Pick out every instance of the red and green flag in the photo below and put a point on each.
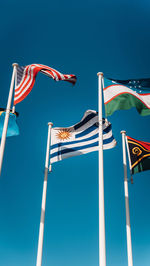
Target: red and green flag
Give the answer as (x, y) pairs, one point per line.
(139, 155)
(125, 94)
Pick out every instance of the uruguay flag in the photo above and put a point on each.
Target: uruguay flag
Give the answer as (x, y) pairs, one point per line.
(80, 138)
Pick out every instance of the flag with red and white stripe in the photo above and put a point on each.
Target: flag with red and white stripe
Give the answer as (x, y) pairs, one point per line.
(26, 79)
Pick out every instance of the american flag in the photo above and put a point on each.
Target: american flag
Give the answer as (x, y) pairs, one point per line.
(26, 78)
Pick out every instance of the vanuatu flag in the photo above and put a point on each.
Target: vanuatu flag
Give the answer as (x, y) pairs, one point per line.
(139, 155)
(12, 129)
(125, 94)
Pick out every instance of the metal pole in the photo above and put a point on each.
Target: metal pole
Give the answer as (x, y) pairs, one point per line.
(41, 231)
(128, 227)
(3, 139)
(102, 248)
(13, 108)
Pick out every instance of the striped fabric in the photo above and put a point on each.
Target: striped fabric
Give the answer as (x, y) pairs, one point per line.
(80, 138)
(26, 79)
(120, 97)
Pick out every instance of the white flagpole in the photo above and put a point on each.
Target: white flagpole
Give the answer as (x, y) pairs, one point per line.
(128, 227)
(41, 231)
(13, 108)
(102, 248)
(3, 139)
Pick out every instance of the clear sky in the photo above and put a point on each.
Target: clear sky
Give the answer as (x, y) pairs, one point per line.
(82, 38)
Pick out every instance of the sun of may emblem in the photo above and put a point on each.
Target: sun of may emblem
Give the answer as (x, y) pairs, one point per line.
(63, 134)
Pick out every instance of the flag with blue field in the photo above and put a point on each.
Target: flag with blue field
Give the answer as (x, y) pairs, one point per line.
(12, 129)
(80, 138)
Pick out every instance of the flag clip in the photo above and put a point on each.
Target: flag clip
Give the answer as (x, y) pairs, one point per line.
(50, 168)
(132, 180)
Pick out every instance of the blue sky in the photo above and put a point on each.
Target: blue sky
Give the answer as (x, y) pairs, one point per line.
(79, 38)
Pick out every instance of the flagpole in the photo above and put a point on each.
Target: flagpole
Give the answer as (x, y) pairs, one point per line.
(102, 248)
(13, 108)
(128, 227)
(41, 230)
(4, 133)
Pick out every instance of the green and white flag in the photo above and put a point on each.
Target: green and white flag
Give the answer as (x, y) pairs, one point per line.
(125, 94)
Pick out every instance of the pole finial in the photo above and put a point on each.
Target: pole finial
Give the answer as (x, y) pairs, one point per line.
(100, 74)
(50, 124)
(15, 64)
(122, 132)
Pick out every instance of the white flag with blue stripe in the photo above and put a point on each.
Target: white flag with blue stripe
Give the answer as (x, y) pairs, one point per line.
(80, 138)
